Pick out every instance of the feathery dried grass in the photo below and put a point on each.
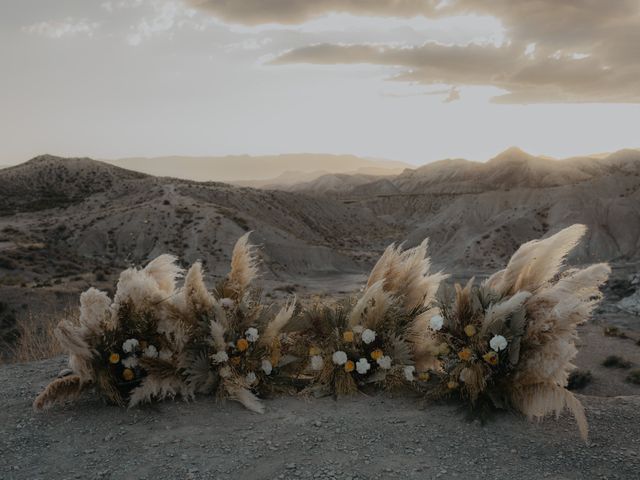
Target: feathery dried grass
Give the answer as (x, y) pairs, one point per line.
(198, 298)
(156, 388)
(240, 393)
(536, 262)
(59, 391)
(244, 266)
(37, 339)
(275, 326)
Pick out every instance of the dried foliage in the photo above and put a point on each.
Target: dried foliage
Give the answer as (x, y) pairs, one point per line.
(512, 340)
(508, 342)
(376, 339)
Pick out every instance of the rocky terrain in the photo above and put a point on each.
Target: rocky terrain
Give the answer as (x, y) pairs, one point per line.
(66, 224)
(357, 438)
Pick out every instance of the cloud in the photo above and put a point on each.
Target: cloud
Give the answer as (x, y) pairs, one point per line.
(166, 17)
(554, 52)
(69, 27)
(291, 12)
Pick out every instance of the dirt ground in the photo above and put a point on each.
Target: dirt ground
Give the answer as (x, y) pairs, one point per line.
(358, 438)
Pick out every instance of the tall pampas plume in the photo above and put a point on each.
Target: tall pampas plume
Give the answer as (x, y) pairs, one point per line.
(536, 262)
(244, 265)
(275, 326)
(406, 274)
(95, 310)
(59, 391)
(371, 307)
(245, 397)
(165, 271)
(196, 294)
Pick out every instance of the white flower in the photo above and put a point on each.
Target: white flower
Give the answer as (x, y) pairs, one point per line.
(220, 357)
(267, 367)
(464, 375)
(384, 362)
(317, 363)
(498, 343)
(408, 372)
(151, 352)
(130, 345)
(165, 354)
(251, 378)
(362, 366)
(251, 334)
(368, 336)
(436, 322)
(130, 362)
(225, 372)
(339, 357)
(358, 329)
(227, 303)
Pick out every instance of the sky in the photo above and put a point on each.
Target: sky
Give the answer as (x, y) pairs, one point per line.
(410, 80)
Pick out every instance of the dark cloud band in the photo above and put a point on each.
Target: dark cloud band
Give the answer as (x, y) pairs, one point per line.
(585, 50)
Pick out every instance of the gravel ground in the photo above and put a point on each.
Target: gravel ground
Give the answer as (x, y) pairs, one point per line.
(358, 438)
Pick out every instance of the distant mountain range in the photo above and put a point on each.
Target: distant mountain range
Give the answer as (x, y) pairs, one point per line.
(81, 212)
(259, 171)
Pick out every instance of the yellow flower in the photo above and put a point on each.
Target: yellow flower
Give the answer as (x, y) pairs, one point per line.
(114, 358)
(348, 336)
(443, 349)
(242, 344)
(313, 351)
(451, 385)
(423, 376)
(349, 366)
(491, 358)
(470, 330)
(465, 354)
(377, 353)
(128, 374)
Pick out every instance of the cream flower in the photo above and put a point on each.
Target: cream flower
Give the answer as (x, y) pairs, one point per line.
(266, 366)
(362, 366)
(130, 345)
(130, 362)
(227, 303)
(368, 336)
(151, 352)
(358, 329)
(464, 375)
(317, 363)
(339, 357)
(408, 372)
(165, 354)
(436, 323)
(384, 362)
(251, 334)
(251, 378)
(498, 343)
(225, 372)
(220, 357)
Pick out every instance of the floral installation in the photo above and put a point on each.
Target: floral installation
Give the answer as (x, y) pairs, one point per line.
(510, 342)
(507, 343)
(127, 345)
(155, 341)
(375, 339)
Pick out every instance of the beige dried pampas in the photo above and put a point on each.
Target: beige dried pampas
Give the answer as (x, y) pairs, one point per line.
(244, 266)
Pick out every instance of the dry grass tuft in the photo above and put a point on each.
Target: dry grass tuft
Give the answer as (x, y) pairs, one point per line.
(37, 340)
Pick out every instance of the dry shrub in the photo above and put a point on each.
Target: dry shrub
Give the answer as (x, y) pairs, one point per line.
(37, 340)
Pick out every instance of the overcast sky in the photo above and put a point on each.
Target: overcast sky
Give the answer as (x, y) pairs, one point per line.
(412, 80)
